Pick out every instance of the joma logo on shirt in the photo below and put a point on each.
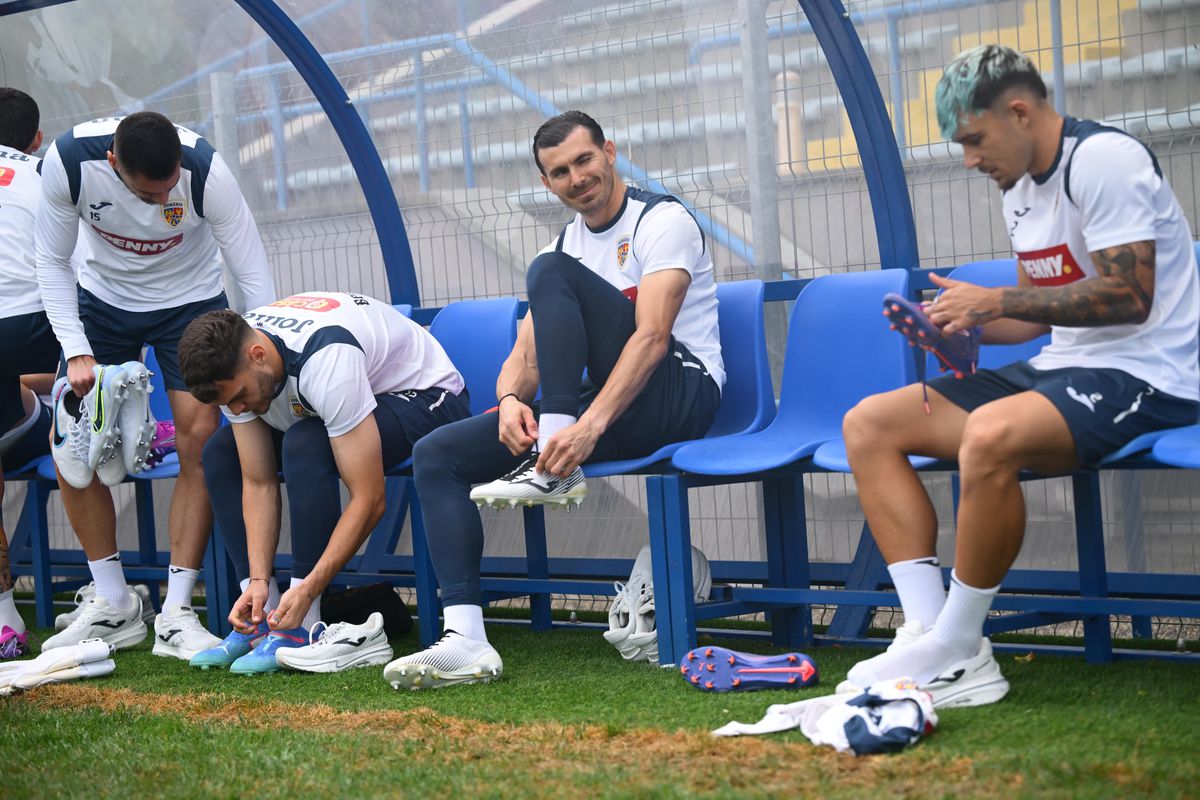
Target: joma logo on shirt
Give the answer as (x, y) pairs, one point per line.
(1053, 266)
(141, 247)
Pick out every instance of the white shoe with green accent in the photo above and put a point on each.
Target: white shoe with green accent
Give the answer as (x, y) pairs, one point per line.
(452, 660)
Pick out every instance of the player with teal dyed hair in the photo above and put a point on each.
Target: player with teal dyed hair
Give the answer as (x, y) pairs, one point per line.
(1105, 266)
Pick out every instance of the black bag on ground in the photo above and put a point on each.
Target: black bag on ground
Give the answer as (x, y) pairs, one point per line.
(355, 604)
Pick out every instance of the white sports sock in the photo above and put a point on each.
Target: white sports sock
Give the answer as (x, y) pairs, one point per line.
(110, 581)
(550, 424)
(960, 625)
(8, 613)
(314, 611)
(919, 584)
(466, 620)
(180, 583)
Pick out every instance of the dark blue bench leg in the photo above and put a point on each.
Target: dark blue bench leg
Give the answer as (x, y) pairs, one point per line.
(867, 572)
(537, 565)
(1093, 577)
(1130, 482)
(428, 606)
(143, 493)
(40, 542)
(671, 556)
(787, 556)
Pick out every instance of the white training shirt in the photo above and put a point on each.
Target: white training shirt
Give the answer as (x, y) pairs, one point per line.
(144, 257)
(1117, 195)
(339, 351)
(20, 189)
(653, 232)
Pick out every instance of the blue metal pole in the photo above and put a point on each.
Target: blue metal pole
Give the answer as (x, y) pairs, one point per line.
(888, 188)
(364, 157)
(897, 83)
(1056, 42)
(422, 127)
(464, 126)
(278, 145)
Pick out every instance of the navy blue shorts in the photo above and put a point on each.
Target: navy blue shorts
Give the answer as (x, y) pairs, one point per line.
(27, 346)
(420, 411)
(1105, 409)
(117, 335)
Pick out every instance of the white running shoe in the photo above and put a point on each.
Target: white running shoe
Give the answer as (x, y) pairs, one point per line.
(103, 404)
(645, 632)
(341, 646)
(72, 436)
(88, 591)
(451, 660)
(179, 634)
(906, 634)
(632, 625)
(622, 620)
(974, 681)
(98, 620)
(526, 487)
(136, 422)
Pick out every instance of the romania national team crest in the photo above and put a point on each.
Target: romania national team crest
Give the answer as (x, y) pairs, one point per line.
(622, 252)
(173, 213)
(298, 409)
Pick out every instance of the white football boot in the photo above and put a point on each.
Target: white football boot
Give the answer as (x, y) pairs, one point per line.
(341, 646)
(71, 438)
(524, 486)
(451, 660)
(103, 404)
(122, 628)
(134, 418)
(179, 634)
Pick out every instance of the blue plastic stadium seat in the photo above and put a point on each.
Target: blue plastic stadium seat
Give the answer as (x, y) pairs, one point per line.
(747, 401)
(478, 335)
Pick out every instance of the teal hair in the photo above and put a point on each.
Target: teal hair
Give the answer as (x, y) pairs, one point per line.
(976, 78)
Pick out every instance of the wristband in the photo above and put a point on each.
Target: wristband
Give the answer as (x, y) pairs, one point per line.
(264, 580)
(507, 394)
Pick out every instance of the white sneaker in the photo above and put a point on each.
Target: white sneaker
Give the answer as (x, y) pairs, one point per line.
(72, 436)
(622, 620)
(341, 646)
(179, 634)
(122, 628)
(103, 406)
(975, 681)
(906, 634)
(136, 422)
(645, 631)
(88, 591)
(451, 660)
(526, 487)
(633, 630)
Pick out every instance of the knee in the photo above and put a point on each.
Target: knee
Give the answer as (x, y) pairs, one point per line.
(988, 443)
(430, 455)
(191, 439)
(547, 272)
(866, 423)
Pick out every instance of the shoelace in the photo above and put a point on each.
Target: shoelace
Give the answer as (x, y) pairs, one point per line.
(325, 637)
(526, 467)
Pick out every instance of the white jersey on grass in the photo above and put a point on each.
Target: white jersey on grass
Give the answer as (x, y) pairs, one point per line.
(653, 232)
(144, 256)
(1116, 195)
(339, 351)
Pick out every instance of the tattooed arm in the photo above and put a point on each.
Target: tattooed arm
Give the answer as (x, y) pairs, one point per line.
(1122, 294)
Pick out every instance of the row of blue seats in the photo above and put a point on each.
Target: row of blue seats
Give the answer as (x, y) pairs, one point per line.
(838, 352)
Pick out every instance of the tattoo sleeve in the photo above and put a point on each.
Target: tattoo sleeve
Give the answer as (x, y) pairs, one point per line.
(6, 581)
(1121, 294)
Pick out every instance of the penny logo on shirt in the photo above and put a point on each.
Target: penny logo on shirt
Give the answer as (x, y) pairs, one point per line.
(307, 302)
(1051, 266)
(622, 252)
(6, 175)
(173, 213)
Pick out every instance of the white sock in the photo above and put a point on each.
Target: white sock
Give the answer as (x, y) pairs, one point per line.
(960, 625)
(467, 620)
(8, 613)
(919, 584)
(180, 583)
(314, 611)
(110, 581)
(272, 592)
(550, 424)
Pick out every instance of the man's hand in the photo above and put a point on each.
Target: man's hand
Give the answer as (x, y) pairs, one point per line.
(568, 448)
(293, 605)
(80, 375)
(962, 305)
(247, 612)
(518, 427)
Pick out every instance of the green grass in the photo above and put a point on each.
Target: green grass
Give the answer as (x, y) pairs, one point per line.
(570, 718)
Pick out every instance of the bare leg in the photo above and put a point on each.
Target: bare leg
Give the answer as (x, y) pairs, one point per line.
(92, 516)
(6, 579)
(1024, 431)
(881, 431)
(190, 518)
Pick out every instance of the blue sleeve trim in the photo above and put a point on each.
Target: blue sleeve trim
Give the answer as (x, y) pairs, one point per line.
(652, 199)
(198, 161)
(294, 362)
(73, 152)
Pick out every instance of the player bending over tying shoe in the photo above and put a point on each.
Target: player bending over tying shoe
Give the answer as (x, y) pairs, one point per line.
(627, 291)
(1105, 263)
(321, 386)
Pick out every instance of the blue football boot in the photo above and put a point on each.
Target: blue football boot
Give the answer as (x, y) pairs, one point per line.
(262, 658)
(230, 650)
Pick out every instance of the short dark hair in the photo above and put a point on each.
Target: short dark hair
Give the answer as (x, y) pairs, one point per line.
(976, 78)
(19, 118)
(147, 145)
(555, 131)
(210, 350)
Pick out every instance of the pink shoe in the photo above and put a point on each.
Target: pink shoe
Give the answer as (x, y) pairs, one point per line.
(12, 644)
(163, 443)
